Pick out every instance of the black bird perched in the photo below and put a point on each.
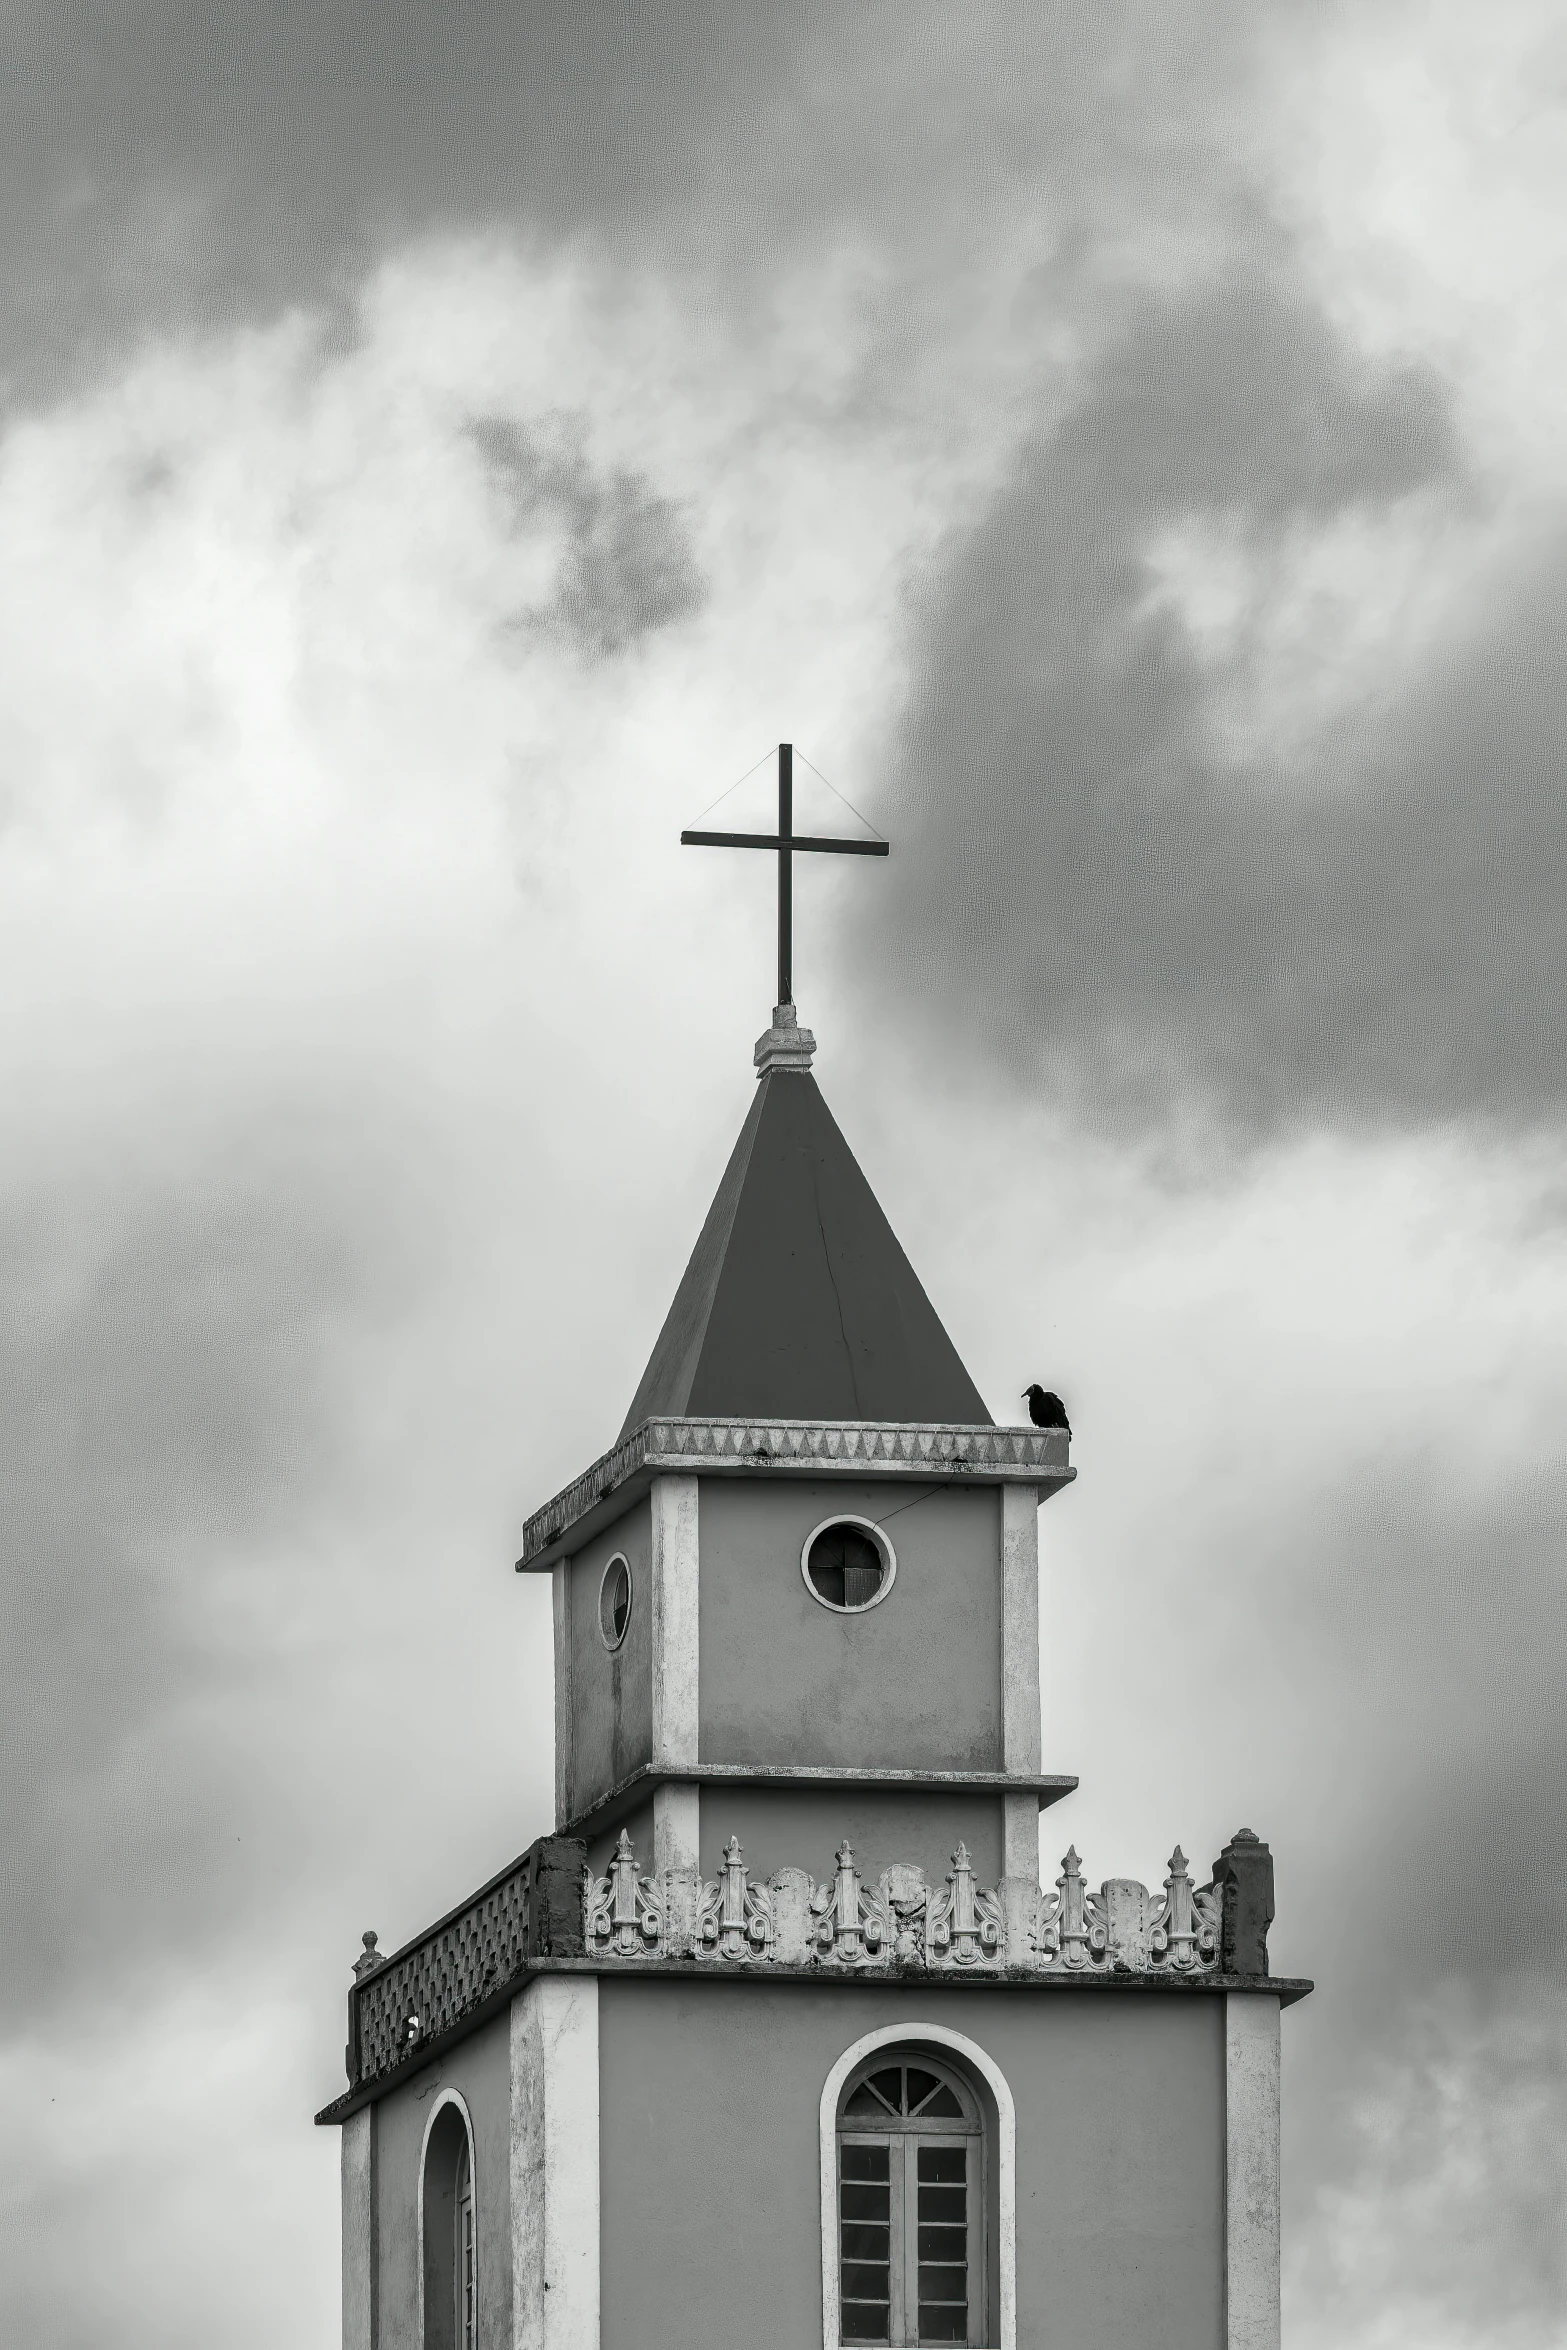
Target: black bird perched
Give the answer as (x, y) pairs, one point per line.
(1045, 1408)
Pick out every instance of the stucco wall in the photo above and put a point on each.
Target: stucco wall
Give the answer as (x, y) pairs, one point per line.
(709, 2148)
(480, 2070)
(915, 1680)
(611, 1694)
(803, 1828)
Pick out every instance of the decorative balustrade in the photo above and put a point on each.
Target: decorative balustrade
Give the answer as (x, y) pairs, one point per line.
(403, 2003)
(902, 1920)
(550, 1908)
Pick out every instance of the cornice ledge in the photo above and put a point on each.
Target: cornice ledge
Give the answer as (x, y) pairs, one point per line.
(716, 1446)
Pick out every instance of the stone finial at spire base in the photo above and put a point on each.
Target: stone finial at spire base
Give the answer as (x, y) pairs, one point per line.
(786, 1045)
(369, 1959)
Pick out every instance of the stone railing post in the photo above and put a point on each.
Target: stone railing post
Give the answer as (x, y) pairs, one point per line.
(1243, 1873)
(555, 1898)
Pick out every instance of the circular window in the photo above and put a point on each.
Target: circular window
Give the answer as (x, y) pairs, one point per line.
(615, 1602)
(848, 1564)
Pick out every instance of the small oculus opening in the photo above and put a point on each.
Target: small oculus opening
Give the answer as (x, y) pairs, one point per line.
(848, 1564)
(615, 1602)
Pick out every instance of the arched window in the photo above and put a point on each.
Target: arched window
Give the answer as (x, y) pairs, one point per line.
(911, 2202)
(448, 2240)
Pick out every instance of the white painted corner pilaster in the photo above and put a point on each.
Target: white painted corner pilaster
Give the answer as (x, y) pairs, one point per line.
(560, 1581)
(555, 2163)
(1251, 2170)
(1020, 1837)
(677, 1827)
(1020, 1733)
(359, 2233)
(675, 1620)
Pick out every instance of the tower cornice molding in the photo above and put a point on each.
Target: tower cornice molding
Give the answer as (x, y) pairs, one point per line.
(1038, 1788)
(771, 1448)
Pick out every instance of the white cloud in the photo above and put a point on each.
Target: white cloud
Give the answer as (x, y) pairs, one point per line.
(374, 1050)
(1417, 151)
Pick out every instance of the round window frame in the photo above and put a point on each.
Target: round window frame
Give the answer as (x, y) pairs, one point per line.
(889, 1559)
(619, 1559)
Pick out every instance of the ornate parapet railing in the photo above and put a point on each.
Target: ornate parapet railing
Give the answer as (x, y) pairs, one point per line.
(902, 1922)
(874, 1448)
(401, 2004)
(549, 1908)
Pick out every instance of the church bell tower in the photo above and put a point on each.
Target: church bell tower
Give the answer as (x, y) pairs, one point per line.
(781, 2034)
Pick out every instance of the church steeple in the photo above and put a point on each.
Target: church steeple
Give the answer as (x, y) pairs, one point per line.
(798, 1303)
(789, 1963)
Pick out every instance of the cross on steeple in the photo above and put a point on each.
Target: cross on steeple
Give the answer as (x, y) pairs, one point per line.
(786, 841)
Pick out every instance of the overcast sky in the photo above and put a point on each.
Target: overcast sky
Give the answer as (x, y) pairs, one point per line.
(441, 449)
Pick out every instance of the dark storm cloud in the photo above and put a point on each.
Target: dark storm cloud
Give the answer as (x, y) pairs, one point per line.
(1442, 1621)
(166, 162)
(1422, 1634)
(163, 163)
(628, 566)
(1104, 897)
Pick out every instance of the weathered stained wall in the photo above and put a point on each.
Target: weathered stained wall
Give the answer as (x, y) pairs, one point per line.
(709, 2152)
(480, 2070)
(915, 1680)
(611, 1693)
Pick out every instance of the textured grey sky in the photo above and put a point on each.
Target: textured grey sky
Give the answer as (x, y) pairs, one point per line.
(441, 449)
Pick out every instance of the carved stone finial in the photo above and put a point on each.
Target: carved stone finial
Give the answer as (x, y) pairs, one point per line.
(369, 1958)
(903, 1923)
(786, 1044)
(964, 1921)
(1072, 1913)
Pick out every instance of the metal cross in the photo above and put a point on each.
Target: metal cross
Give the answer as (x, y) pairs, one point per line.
(786, 841)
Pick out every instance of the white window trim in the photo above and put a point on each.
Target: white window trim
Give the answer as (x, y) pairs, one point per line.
(617, 1559)
(877, 1535)
(934, 2036)
(447, 2097)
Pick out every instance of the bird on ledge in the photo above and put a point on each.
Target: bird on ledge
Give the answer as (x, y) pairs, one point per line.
(1045, 1408)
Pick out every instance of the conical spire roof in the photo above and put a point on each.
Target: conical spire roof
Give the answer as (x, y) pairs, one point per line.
(798, 1303)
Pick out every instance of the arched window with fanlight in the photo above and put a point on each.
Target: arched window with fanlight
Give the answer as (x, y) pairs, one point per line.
(911, 2203)
(448, 2247)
